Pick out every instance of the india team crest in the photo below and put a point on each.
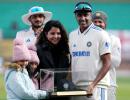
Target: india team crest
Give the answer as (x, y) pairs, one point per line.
(89, 44)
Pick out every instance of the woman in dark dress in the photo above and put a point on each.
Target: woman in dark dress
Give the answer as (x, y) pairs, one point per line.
(53, 50)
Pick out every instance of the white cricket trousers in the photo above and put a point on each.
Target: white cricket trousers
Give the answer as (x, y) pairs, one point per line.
(112, 93)
(99, 94)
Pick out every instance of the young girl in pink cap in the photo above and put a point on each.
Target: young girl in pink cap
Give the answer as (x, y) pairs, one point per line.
(18, 84)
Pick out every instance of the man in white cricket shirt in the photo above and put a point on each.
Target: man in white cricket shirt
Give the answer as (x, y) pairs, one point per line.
(100, 19)
(35, 18)
(90, 51)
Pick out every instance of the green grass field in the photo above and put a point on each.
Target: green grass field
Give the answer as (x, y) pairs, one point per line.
(123, 90)
(2, 88)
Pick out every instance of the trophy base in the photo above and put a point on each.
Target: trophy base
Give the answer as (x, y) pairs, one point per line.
(69, 93)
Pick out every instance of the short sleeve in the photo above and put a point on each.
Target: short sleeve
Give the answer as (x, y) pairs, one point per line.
(105, 45)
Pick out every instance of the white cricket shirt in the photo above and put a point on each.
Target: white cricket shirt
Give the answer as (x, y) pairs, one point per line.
(27, 35)
(115, 58)
(86, 49)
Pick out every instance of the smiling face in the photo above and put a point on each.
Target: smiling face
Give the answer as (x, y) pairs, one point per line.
(54, 35)
(37, 20)
(83, 19)
(100, 23)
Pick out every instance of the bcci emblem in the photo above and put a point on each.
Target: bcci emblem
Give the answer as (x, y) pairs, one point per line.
(89, 44)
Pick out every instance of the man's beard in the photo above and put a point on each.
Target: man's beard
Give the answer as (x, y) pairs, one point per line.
(37, 26)
(86, 22)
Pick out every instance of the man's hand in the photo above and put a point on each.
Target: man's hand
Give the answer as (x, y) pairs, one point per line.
(90, 90)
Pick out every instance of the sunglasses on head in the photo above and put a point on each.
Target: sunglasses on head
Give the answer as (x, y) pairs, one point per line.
(83, 7)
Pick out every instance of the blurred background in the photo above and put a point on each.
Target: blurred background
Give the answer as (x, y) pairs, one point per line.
(118, 12)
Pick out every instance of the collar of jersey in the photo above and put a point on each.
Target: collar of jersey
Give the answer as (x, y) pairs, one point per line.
(85, 32)
(31, 31)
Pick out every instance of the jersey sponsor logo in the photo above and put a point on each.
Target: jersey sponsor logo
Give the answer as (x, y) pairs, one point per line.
(107, 45)
(28, 40)
(89, 44)
(80, 53)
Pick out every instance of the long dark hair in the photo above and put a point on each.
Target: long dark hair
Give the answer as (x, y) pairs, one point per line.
(63, 43)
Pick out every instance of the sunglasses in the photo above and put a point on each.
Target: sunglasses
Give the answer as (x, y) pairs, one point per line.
(83, 7)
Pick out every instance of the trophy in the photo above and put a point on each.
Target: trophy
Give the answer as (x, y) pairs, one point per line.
(58, 82)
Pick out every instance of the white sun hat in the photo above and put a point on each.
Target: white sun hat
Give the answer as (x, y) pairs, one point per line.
(36, 10)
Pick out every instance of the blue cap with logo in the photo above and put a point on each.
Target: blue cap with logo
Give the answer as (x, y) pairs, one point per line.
(83, 6)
